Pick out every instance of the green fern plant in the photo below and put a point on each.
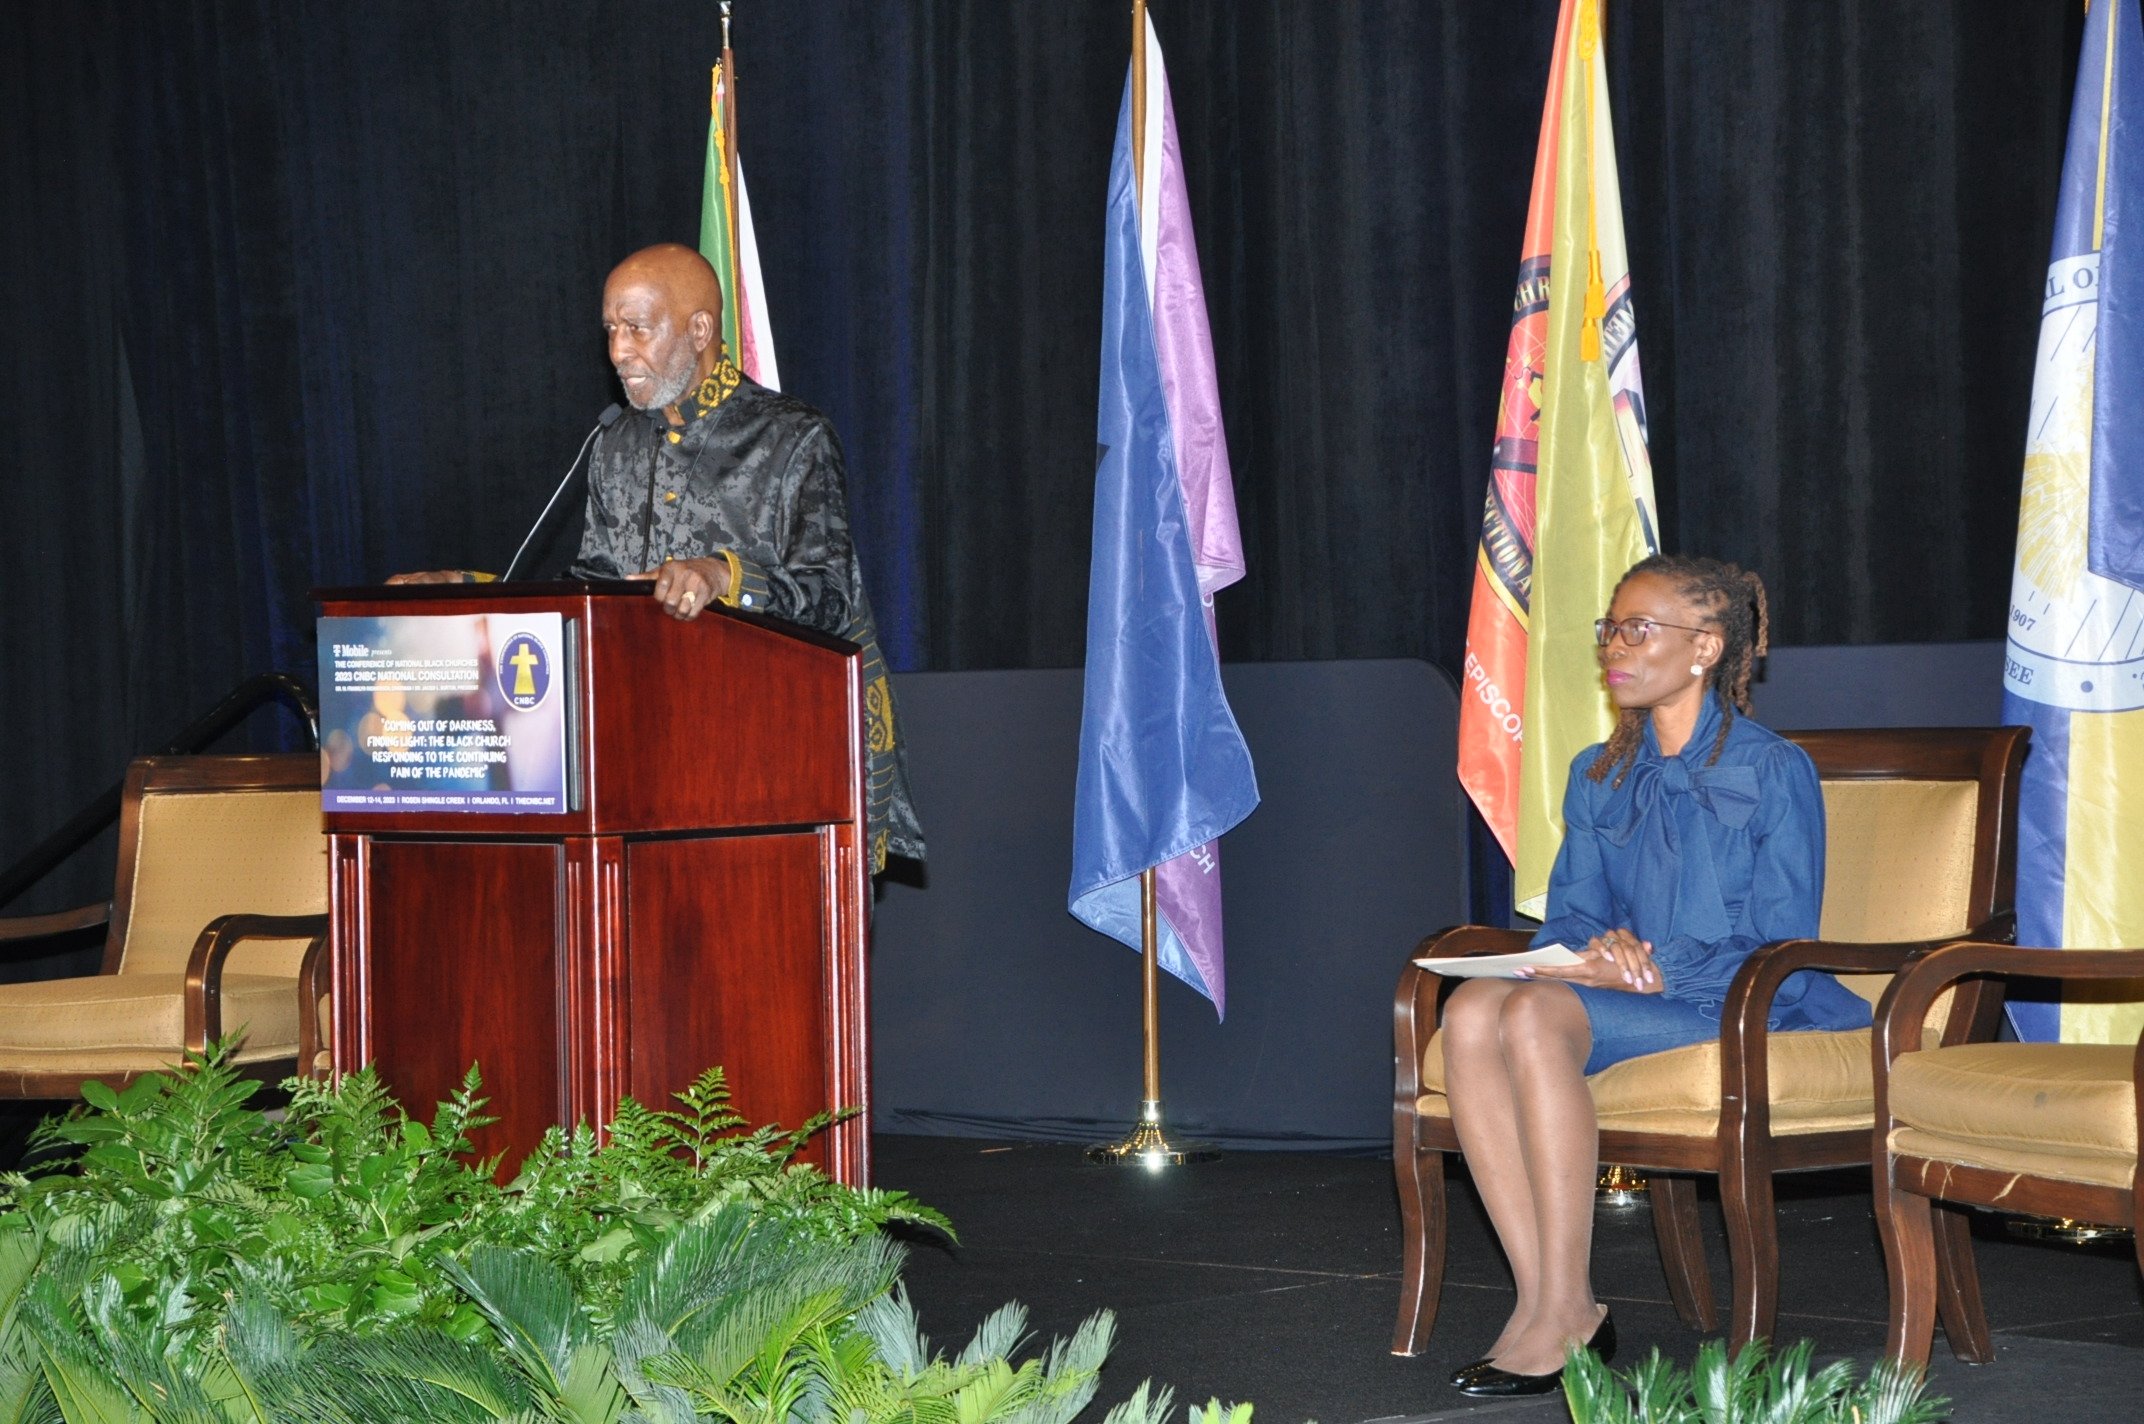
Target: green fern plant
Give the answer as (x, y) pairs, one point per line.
(192, 1260)
(596, 1209)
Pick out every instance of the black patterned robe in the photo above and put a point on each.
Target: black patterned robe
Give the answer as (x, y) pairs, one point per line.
(754, 477)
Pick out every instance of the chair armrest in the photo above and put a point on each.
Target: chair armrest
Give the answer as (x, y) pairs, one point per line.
(1418, 1002)
(315, 982)
(204, 967)
(1745, 1015)
(81, 917)
(1902, 1016)
(1745, 1019)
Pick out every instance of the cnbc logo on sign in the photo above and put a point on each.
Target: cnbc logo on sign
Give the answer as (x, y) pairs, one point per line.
(524, 671)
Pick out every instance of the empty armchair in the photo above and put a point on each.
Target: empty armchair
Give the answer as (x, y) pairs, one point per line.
(2029, 1127)
(221, 892)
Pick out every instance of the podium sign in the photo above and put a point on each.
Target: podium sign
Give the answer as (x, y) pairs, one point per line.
(462, 712)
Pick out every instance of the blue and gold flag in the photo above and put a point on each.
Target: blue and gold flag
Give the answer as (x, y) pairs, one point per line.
(2075, 670)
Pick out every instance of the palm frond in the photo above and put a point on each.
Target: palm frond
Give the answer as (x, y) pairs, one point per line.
(1894, 1394)
(671, 1284)
(257, 1336)
(530, 1303)
(84, 1394)
(1592, 1391)
(591, 1392)
(890, 1323)
(1000, 1334)
(408, 1374)
(635, 1343)
(754, 1340)
(1659, 1391)
(1213, 1411)
(994, 1390)
(1726, 1390)
(1071, 1373)
(25, 1395)
(20, 1251)
(1147, 1405)
(708, 1271)
(1784, 1386)
(1755, 1386)
(845, 1367)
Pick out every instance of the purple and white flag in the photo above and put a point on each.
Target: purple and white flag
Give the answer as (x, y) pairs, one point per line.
(1163, 769)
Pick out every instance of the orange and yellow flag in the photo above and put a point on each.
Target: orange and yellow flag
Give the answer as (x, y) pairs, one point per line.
(1570, 502)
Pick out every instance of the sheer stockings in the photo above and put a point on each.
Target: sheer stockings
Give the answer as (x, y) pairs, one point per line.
(1514, 1060)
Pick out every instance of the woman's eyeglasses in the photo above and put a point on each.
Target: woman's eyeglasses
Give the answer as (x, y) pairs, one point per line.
(1634, 630)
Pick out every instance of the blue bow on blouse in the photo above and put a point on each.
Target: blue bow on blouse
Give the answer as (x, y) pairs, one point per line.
(1663, 799)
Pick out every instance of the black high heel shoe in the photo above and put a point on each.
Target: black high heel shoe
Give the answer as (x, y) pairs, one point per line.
(1486, 1381)
(1468, 1370)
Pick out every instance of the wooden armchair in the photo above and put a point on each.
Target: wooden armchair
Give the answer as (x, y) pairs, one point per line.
(217, 854)
(2033, 1127)
(1920, 850)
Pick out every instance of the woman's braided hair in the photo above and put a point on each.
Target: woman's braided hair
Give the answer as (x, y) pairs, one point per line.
(1729, 598)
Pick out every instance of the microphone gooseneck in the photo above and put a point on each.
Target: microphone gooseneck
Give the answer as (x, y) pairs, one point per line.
(603, 422)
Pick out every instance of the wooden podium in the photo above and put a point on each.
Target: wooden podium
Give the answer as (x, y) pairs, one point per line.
(705, 904)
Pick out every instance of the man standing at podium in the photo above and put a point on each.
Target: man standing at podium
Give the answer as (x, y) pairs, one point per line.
(722, 491)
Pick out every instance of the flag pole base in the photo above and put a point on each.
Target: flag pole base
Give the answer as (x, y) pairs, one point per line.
(1149, 1147)
(1620, 1186)
(2064, 1230)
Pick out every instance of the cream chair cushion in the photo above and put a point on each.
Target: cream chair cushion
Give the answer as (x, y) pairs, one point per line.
(2060, 1110)
(122, 1023)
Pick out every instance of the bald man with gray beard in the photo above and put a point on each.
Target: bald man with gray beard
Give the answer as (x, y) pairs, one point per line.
(722, 491)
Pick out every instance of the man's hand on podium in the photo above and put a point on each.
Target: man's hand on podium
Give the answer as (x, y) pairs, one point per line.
(685, 587)
(441, 576)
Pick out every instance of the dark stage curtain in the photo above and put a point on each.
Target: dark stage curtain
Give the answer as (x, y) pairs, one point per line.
(301, 294)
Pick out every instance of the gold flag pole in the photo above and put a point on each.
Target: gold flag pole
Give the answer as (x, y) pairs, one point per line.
(1147, 1145)
(2064, 1230)
(1618, 1185)
(1138, 100)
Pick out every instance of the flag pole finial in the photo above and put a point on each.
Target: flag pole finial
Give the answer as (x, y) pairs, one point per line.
(724, 6)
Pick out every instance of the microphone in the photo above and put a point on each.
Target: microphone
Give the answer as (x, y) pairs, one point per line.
(603, 422)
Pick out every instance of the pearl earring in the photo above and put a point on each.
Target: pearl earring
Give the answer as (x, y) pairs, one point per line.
(1697, 669)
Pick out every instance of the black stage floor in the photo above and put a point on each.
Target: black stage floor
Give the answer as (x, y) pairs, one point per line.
(1272, 1278)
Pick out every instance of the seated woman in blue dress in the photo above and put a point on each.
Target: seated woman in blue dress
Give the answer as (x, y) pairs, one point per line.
(1691, 836)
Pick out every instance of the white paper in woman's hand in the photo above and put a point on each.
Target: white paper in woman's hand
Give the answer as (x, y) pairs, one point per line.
(1500, 966)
